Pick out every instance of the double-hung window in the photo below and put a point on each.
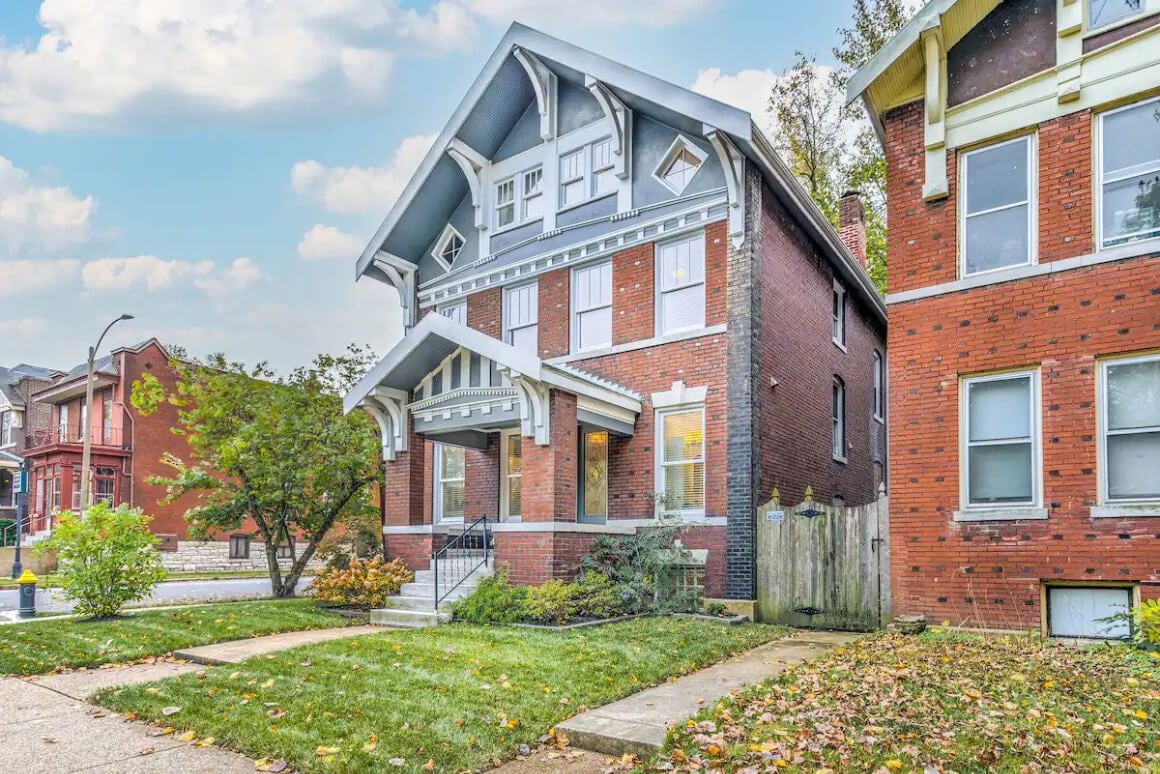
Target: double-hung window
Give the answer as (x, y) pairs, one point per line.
(602, 164)
(681, 284)
(505, 203)
(592, 306)
(62, 428)
(5, 428)
(521, 318)
(838, 315)
(681, 460)
(450, 475)
(587, 173)
(1000, 439)
(838, 414)
(513, 474)
(519, 199)
(1130, 429)
(533, 194)
(1129, 172)
(998, 206)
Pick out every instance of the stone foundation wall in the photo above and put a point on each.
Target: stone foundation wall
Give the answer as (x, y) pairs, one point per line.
(214, 556)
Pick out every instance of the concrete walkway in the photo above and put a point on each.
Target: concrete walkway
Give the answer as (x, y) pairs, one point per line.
(637, 724)
(238, 651)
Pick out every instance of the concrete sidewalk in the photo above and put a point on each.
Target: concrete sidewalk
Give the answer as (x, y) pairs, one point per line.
(237, 651)
(637, 724)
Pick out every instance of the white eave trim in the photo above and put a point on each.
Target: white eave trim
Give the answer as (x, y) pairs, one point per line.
(910, 34)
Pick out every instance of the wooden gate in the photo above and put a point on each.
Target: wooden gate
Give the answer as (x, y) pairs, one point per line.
(824, 566)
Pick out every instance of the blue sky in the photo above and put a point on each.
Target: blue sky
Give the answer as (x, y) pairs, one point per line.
(214, 166)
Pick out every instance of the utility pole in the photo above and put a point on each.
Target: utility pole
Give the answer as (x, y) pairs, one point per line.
(86, 417)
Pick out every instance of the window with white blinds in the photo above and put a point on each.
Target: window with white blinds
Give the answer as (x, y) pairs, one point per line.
(521, 318)
(1130, 438)
(450, 475)
(681, 460)
(681, 284)
(513, 472)
(999, 428)
(592, 307)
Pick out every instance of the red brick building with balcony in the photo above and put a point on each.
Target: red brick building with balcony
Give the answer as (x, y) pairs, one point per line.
(1023, 156)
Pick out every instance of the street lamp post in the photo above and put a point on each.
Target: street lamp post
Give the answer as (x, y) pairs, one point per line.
(87, 434)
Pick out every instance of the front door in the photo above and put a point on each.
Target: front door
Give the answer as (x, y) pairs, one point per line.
(593, 489)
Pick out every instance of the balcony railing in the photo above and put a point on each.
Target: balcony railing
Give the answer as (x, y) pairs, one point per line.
(98, 436)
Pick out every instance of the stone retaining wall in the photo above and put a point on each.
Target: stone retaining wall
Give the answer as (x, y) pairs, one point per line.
(214, 556)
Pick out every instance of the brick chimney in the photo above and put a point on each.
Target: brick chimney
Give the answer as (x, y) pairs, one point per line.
(852, 224)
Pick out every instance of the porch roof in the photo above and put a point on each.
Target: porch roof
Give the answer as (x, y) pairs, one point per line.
(10, 460)
(524, 385)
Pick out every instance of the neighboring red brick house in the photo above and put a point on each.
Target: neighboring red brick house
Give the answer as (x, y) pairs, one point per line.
(127, 448)
(1023, 153)
(613, 287)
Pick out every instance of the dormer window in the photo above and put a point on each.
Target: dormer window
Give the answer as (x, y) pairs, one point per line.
(587, 173)
(519, 199)
(680, 165)
(448, 247)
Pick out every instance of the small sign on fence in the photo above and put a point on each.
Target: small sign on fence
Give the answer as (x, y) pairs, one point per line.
(775, 515)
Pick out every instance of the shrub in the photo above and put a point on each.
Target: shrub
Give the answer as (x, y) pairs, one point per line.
(363, 584)
(106, 558)
(494, 601)
(551, 602)
(631, 562)
(1147, 624)
(717, 609)
(594, 596)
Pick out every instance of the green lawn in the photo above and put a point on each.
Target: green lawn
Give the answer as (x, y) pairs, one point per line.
(939, 702)
(458, 695)
(50, 581)
(35, 648)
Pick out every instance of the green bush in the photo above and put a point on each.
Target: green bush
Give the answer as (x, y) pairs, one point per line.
(1146, 629)
(595, 596)
(494, 601)
(362, 584)
(717, 609)
(106, 558)
(551, 602)
(632, 562)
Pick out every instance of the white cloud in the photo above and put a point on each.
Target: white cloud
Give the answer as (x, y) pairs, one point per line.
(647, 13)
(39, 220)
(359, 190)
(748, 90)
(322, 243)
(22, 327)
(23, 276)
(242, 273)
(155, 273)
(178, 60)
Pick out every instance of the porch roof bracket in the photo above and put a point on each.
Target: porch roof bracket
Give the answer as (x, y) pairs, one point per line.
(934, 114)
(733, 163)
(394, 404)
(534, 400)
(472, 163)
(620, 118)
(379, 414)
(400, 274)
(544, 84)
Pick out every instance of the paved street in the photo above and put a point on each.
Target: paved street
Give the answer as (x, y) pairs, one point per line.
(48, 600)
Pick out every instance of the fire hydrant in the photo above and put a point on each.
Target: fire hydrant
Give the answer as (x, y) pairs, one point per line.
(27, 583)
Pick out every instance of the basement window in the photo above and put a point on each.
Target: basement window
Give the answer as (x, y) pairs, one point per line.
(1084, 611)
(239, 546)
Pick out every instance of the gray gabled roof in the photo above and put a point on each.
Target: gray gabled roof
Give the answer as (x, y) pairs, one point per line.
(10, 379)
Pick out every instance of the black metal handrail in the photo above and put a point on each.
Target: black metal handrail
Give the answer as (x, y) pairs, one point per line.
(462, 555)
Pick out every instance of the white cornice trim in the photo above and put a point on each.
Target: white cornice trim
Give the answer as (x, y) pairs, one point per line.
(632, 346)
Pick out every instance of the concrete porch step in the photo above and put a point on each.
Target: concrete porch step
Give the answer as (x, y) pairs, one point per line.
(410, 619)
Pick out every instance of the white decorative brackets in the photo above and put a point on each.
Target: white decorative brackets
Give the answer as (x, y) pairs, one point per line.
(534, 400)
(733, 163)
(620, 117)
(544, 84)
(389, 409)
(934, 124)
(400, 275)
(472, 163)
(1069, 50)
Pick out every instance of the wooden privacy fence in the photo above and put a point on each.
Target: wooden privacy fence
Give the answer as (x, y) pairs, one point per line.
(824, 566)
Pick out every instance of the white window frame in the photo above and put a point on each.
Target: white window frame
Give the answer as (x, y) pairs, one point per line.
(519, 198)
(577, 311)
(1146, 8)
(505, 476)
(454, 310)
(1099, 172)
(437, 495)
(587, 174)
(1036, 425)
(529, 193)
(1031, 202)
(659, 465)
(838, 317)
(879, 386)
(7, 424)
(661, 292)
(449, 233)
(1103, 432)
(838, 438)
(680, 142)
(506, 312)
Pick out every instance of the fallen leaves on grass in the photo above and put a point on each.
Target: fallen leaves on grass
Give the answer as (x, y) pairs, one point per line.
(936, 702)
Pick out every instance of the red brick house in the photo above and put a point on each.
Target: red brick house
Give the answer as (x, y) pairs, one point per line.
(613, 287)
(1023, 151)
(19, 416)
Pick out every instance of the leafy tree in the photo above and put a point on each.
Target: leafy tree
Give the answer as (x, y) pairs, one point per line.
(106, 558)
(278, 451)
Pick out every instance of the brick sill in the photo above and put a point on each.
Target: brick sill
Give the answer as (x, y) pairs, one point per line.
(1002, 514)
(1125, 511)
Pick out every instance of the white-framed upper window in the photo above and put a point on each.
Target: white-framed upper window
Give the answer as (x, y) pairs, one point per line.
(521, 318)
(450, 477)
(1000, 446)
(519, 199)
(997, 224)
(511, 494)
(6, 423)
(454, 310)
(1104, 13)
(681, 284)
(586, 173)
(838, 414)
(879, 386)
(592, 306)
(1130, 429)
(838, 315)
(680, 460)
(62, 426)
(1128, 164)
(448, 247)
(679, 165)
